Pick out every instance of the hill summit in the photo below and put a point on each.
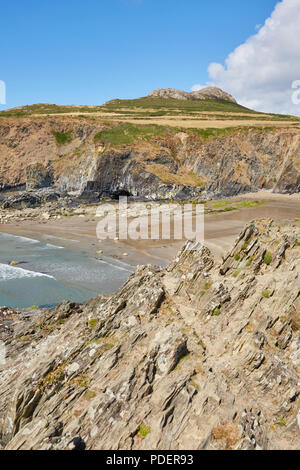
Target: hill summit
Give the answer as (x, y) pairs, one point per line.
(212, 93)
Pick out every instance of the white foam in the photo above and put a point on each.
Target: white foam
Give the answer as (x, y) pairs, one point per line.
(8, 272)
(115, 266)
(31, 241)
(64, 239)
(18, 237)
(57, 247)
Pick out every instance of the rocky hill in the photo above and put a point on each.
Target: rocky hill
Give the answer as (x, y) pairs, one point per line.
(201, 355)
(91, 158)
(211, 93)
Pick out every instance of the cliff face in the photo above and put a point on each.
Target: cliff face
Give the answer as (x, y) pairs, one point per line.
(29, 141)
(64, 153)
(198, 356)
(247, 161)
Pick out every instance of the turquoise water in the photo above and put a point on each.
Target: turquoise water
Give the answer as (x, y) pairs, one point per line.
(48, 274)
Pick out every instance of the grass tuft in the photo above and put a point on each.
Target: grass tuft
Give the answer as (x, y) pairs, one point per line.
(93, 323)
(128, 134)
(144, 430)
(266, 294)
(268, 258)
(216, 312)
(62, 138)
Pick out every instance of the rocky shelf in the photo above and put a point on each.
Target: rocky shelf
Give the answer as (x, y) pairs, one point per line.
(201, 355)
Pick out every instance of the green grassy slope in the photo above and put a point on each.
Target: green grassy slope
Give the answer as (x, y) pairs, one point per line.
(151, 107)
(183, 106)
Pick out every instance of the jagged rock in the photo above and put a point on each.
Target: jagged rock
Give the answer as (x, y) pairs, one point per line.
(152, 367)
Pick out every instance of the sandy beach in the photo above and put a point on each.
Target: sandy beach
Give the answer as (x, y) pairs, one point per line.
(78, 232)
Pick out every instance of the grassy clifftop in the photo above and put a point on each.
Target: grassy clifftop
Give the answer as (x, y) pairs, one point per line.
(171, 112)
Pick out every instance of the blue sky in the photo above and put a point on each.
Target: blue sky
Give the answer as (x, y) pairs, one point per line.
(87, 52)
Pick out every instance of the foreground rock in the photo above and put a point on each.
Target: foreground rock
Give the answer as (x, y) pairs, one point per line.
(198, 356)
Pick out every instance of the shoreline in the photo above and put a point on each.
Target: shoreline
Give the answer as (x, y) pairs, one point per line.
(78, 232)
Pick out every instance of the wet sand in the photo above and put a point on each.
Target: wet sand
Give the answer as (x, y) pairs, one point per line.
(221, 229)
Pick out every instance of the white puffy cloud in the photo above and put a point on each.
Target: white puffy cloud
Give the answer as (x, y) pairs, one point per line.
(260, 72)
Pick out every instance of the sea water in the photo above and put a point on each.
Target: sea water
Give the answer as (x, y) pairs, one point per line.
(47, 274)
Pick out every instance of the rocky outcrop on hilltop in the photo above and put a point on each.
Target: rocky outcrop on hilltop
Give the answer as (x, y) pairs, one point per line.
(202, 355)
(211, 93)
(63, 155)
